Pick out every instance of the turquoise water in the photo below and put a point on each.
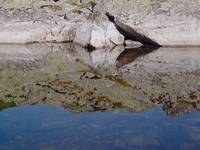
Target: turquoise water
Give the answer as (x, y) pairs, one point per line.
(47, 127)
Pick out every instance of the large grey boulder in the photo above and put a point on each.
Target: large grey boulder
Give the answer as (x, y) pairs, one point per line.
(34, 21)
(158, 22)
(97, 31)
(63, 21)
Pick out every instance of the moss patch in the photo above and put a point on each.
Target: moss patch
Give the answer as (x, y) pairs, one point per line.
(4, 105)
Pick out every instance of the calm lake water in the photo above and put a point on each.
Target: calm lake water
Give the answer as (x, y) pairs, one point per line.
(46, 127)
(60, 96)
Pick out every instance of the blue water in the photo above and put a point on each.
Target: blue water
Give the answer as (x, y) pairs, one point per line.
(54, 128)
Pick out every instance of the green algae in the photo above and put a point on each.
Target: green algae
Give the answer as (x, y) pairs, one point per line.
(4, 105)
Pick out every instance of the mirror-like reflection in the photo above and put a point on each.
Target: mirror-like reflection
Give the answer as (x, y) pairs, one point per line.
(44, 127)
(109, 86)
(69, 76)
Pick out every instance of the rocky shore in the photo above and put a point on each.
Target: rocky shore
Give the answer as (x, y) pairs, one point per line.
(101, 23)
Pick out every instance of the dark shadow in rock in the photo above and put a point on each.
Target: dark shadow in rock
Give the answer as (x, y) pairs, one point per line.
(132, 34)
(89, 48)
(129, 33)
(130, 55)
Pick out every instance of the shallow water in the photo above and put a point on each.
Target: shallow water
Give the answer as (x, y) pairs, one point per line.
(60, 96)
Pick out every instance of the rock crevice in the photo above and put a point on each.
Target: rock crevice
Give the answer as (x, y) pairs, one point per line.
(129, 33)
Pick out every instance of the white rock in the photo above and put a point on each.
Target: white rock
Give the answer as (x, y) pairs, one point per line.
(29, 32)
(164, 30)
(132, 44)
(98, 34)
(162, 22)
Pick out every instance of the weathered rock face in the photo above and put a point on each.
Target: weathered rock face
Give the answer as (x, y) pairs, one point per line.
(155, 22)
(34, 24)
(158, 22)
(29, 32)
(97, 31)
(47, 21)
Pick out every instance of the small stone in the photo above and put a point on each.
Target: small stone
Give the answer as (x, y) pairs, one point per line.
(132, 44)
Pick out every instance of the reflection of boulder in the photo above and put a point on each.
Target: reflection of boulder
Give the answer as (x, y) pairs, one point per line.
(68, 76)
(56, 82)
(26, 56)
(70, 95)
(130, 55)
(180, 108)
(175, 108)
(172, 60)
(97, 59)
(166, 76)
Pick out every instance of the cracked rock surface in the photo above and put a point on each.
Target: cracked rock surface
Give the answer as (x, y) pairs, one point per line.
(155, 22)
(47, 21)
(158, 22)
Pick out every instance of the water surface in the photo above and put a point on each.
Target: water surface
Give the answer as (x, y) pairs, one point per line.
(60, 96)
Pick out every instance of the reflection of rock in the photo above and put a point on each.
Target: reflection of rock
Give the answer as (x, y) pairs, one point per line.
(130, 55)
(74, 97)
(26, 53)
(80, 80)
(98, 59)
(168, 77)
(172, 60)
(56, 82)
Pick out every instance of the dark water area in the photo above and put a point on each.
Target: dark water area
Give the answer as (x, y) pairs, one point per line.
(61, 96)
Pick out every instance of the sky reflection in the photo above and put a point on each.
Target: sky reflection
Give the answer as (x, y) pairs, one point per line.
(47, 127)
